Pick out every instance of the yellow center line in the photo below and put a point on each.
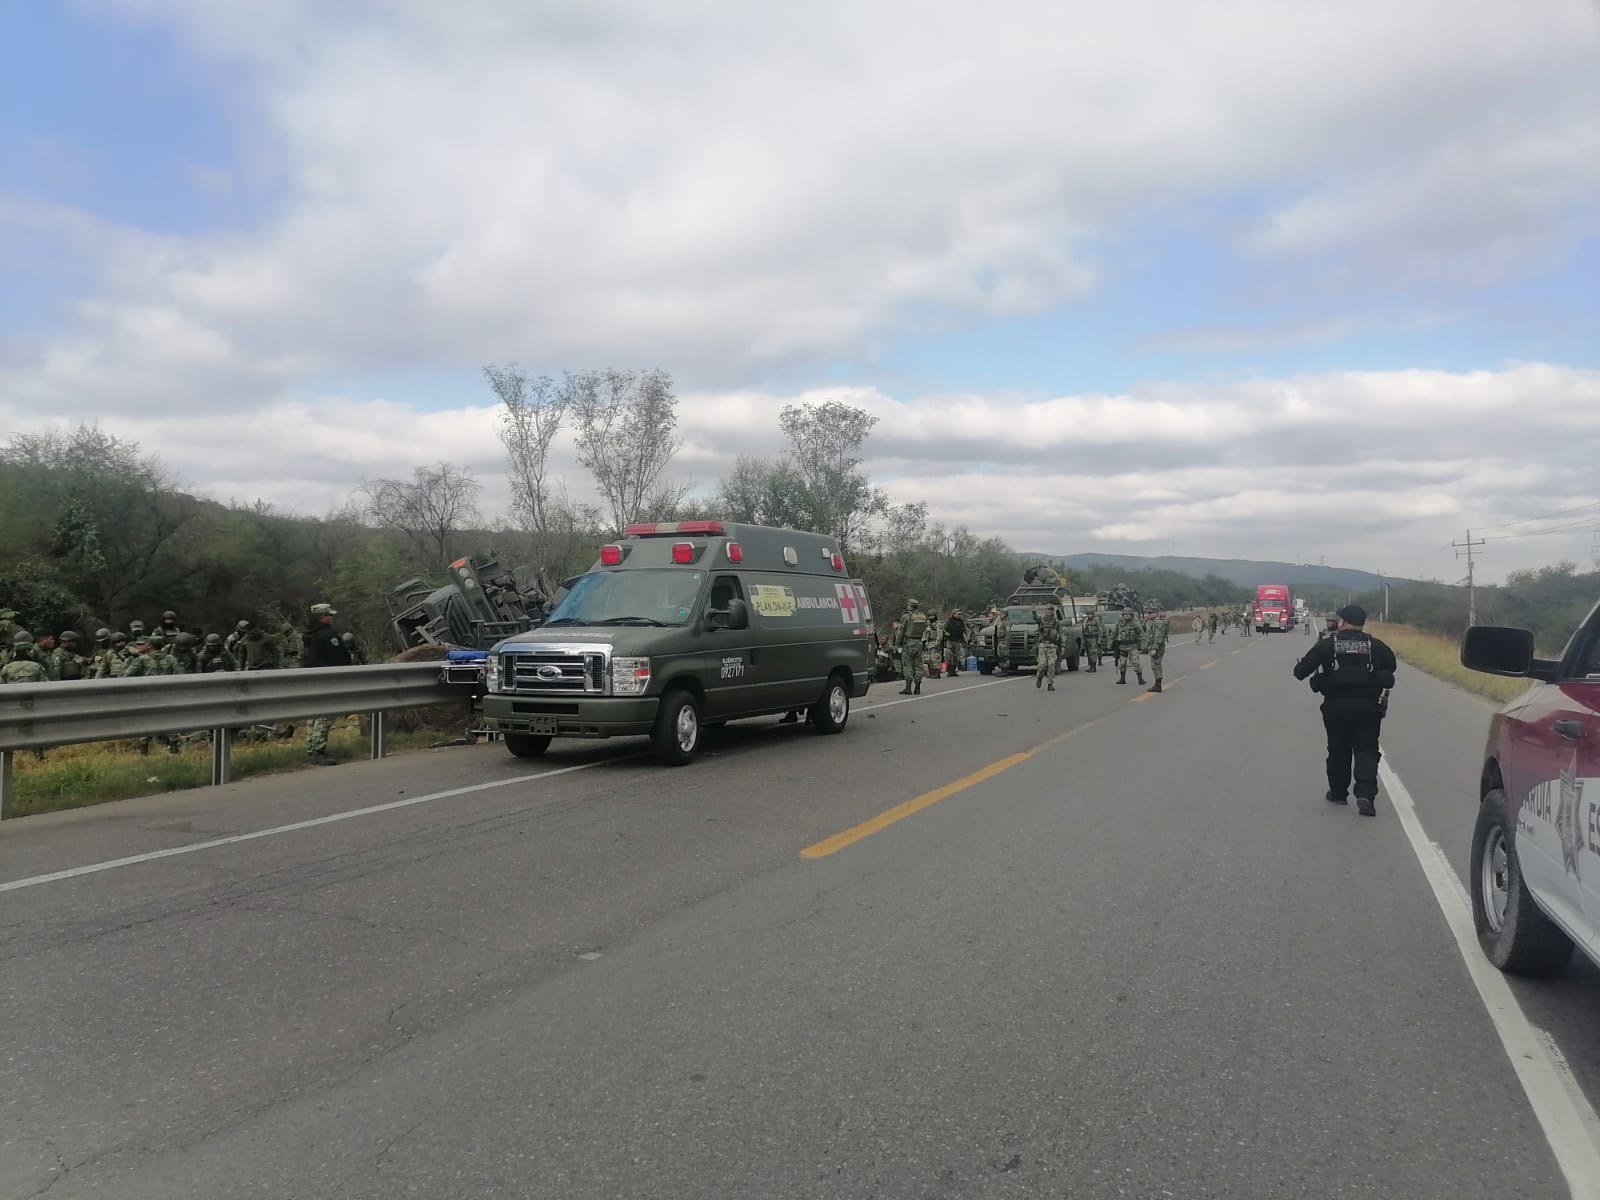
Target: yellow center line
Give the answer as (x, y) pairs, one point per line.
(900, 812)
(1209, 665)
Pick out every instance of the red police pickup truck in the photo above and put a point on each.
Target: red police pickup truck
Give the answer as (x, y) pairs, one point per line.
(1536, 847)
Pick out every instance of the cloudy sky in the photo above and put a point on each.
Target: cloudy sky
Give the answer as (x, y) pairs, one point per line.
(1257, 279)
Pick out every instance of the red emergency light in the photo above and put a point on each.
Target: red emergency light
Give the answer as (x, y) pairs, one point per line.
(667, 528)
(838, 562)
(735, 552)
(684, 552)
(610, 556)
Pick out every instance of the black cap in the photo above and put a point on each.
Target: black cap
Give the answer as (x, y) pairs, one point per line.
(1353, 614)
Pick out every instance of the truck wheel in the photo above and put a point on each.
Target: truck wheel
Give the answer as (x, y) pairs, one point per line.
(832, 713)
(985, 668)
(1512, 929)
(526, 745)
(677, 733)
(1072, 662)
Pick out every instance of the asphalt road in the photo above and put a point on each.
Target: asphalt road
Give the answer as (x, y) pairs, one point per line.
(988, 942)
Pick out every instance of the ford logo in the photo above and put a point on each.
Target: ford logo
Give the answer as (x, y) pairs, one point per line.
(549, 672)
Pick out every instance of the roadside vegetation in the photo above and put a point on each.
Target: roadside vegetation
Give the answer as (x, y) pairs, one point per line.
(1440, 656)
(78, 776)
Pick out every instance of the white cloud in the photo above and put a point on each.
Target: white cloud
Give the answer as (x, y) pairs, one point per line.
(1360, 468)
(731, 190)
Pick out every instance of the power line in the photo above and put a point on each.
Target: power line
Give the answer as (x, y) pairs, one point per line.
(1569, 527)
(1565, 512)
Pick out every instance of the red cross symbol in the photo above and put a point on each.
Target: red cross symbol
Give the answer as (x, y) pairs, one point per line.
(847, 602)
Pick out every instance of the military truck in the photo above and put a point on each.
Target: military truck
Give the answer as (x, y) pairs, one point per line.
(1040, 587)
(481, 604)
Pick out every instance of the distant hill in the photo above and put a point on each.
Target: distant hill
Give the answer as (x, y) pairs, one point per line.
(1244, 572)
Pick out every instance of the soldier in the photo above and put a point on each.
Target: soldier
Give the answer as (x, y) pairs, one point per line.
(353, 647)
(1157, 629)
(910, 637)
(109, 665)
(323, 648)
(1049, 648)
(1211, 626)
(1002, 640)
(135, 632)
(1332, 626)
(24, 666)
(930, 648)
(169, 627)
(955, 641)
(184, 650)
(1126, 639)
(102, 647)
(1093, 635)
(45, 650)
(231, 645)
(1199, 627)
(213, 657)
(256, 651)
(69, 664)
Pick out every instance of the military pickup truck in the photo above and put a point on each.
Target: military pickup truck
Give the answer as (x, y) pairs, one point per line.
(1039, 588)
(481, 604)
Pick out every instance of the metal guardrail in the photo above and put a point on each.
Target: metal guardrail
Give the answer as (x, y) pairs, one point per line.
(42, 715)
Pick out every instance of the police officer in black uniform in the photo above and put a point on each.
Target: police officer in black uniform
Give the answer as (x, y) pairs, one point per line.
(1353, 672)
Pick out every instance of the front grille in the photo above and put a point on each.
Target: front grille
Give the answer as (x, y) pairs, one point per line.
(1019, 640)
(553, 672)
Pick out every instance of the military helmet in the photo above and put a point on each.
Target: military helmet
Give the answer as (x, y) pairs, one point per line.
(102, 635)
(156, 638)
(185, 639)
(22, 638)
(911, 604)
(242, 626)
(169, 615)
(213, 639)
(135, 626)
(119, 636)
(67, 635)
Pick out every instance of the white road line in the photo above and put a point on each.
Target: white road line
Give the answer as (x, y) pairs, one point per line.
(331, 818)
(971, 687)
(1563, 1111)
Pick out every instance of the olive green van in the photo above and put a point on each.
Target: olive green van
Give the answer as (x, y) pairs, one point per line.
(683, 627)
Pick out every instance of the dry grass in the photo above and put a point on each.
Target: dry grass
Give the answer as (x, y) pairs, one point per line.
(1440, 657)
(76, 776)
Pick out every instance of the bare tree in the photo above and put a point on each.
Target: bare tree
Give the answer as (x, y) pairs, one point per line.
(626, 423)
(429, 510)
(533, 411)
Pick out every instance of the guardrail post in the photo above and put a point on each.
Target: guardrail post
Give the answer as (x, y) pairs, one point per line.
(7, 799)
(221, 756)
(377, 726)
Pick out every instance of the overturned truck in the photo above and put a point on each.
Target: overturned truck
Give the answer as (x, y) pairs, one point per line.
(480, 605)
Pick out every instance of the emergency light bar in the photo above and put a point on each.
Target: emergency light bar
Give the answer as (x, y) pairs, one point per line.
(673, 529)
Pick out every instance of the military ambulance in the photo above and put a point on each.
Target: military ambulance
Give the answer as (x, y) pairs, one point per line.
(683, 627)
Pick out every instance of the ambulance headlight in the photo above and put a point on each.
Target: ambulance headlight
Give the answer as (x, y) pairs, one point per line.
(630, 676)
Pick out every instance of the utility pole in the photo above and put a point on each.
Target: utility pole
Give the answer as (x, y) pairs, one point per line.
(1464, 550)
(1384, 584)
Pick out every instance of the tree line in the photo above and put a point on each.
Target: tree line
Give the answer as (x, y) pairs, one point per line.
(99, 531)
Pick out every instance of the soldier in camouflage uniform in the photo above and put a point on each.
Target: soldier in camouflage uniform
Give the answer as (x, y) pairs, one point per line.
(184, 650)
(1049, 650)
(256, 651)
(1094, 633)
(150, 658)
(213, 657)
(1211, 626)
(24, 666)
(1002, 640)
(115, 661)
(1157, 629)
(1126, 640)
(69, 664)
(910, 639)
(102, 647)
(354, 648)
(231, 643)
(931, 644)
